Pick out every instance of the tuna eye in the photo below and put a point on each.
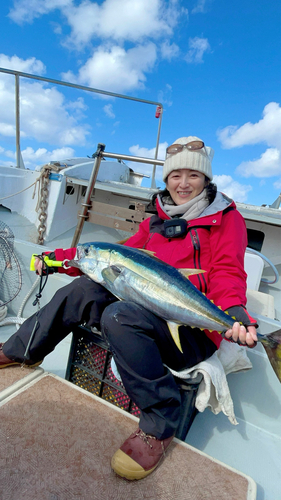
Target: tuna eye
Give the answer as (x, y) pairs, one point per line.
(116, 269)
(86, 250)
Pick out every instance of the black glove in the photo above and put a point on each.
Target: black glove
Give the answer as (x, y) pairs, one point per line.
(242, 316)
(48, 269)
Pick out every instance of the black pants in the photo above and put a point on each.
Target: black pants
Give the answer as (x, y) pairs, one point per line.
(141, 343)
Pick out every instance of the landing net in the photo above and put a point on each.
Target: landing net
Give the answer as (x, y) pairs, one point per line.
(10, 271)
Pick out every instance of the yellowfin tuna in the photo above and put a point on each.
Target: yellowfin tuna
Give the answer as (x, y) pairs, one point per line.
(132, 274)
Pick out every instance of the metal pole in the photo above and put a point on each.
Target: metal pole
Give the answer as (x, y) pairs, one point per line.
(87, 201)
(153, 183)
(138, 159)
(17, 110)
(75, 86)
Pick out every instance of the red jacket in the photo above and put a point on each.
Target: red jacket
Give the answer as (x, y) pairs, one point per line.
(215, 242)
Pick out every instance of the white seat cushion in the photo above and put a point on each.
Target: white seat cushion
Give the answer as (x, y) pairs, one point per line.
(260, 303)
(253, 265)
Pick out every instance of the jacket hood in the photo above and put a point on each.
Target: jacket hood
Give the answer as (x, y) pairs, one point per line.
(220, 203)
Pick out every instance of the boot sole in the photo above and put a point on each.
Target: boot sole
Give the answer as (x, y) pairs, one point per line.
(21, 364)
(120, 462)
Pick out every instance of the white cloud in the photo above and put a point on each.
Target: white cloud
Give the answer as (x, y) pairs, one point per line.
(109, 111)
(233, 189)
(110, 19)
(115, 69)
(169, 50)
(33, 158)
(268, 165)
(268, 131)
(9, 154)
(197, 48)
(147, 168)
(165, 96)
(137, 150)
(57, 28)
(7, 129)
(110, 24)
(200, 7)
(25, 11)
(118, 20)
(45, 113)
(31, 65)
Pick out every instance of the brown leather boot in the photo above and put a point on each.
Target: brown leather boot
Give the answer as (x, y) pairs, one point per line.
(139, 455)
(5, 362)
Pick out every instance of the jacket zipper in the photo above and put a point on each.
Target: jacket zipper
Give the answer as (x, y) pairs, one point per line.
(197, 260)
(148, 240)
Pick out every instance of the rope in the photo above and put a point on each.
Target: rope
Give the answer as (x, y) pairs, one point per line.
(43, 193)
(17, 320)
(38, 180)
(19, 192)
(54, 167)
(28, 295)
(3, 311)
(12, 321)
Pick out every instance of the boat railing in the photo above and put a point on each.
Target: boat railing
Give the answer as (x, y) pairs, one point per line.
(87, 203)
(19, 74)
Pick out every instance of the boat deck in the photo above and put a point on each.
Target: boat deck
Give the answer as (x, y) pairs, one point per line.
(14, 379)
(252, 447)
(57, 442)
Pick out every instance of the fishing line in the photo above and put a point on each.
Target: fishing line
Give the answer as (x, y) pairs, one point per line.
(38, 296)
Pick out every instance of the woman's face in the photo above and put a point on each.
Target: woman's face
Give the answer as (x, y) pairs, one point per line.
(185, 184)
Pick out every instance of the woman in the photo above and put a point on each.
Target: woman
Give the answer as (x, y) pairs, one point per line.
(194, 226)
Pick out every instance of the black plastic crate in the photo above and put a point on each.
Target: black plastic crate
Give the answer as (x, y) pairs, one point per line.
(89, 367)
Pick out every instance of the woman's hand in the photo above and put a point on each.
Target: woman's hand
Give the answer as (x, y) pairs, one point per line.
(39, 265)
(245, 336)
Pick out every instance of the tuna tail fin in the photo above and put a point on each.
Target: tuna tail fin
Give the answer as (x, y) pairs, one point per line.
(174, 331)
(272, 346)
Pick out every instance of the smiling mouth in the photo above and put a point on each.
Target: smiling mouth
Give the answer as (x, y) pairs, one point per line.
(184, 193)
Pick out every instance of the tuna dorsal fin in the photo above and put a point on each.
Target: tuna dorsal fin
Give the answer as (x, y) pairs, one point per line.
(148, 252)
(174, 331)
(189, 272)
(121, 242)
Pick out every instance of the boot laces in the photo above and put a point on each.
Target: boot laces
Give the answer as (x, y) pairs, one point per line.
(145, 437)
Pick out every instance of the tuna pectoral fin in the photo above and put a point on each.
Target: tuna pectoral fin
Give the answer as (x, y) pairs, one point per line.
(110, 273)
(174, 331)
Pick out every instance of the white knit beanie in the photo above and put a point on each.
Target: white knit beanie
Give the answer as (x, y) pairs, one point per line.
(199, 160)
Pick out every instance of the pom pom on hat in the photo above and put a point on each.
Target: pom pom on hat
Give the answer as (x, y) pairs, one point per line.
(199, 160)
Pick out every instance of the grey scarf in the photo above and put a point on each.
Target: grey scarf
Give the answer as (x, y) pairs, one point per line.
(189, 210)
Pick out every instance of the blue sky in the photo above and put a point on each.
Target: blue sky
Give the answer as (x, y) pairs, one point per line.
(215, 66)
